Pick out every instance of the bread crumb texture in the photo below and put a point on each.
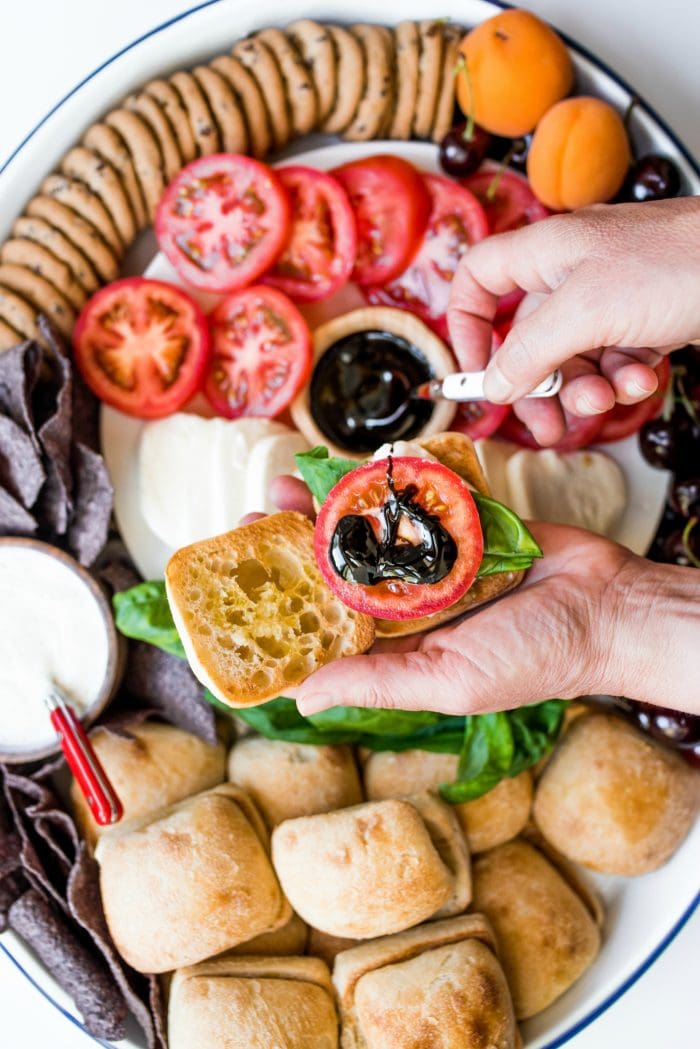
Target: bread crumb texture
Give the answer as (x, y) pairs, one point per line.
(256, 612)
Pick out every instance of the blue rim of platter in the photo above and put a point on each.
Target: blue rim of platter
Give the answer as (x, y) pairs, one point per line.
(615, 996)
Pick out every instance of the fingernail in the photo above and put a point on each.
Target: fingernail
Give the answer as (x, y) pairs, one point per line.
(636, 389)
(586, 407)
(496, 386)
(314, 704)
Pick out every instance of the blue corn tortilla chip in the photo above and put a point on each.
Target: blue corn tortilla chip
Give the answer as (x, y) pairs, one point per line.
(21, 472)
(94, 495)
(14, 519)
(168, 685)
(78, 970)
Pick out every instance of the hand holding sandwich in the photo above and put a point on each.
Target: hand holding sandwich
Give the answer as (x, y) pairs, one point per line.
(591, 617)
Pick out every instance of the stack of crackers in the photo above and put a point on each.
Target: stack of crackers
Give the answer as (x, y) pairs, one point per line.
(361, 82)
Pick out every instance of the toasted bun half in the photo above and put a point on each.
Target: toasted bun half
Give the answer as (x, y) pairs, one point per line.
(253, 611)
(456, 452)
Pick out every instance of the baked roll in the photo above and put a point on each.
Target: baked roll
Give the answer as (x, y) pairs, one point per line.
(291, 938)
(193, 881)
(546, 931)
(253, 1003)
(374, 869)
(440, 984)
(154, 766)
(613, 799)
(286, 780)
(490, 820)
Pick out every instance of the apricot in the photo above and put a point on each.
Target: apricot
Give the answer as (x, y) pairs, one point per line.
(579, 154)
(516, 69)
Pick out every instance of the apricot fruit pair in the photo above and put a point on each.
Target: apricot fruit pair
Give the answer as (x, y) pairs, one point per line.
(514, 69)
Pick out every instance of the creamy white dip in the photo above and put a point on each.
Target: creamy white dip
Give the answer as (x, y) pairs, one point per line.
(51, 630)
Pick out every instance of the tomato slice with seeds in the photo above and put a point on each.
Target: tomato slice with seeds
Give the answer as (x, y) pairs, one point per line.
(142, 346)
(626, 419)
(223, 221)
(391, 208)
(320, 253)
(360, 499)
(456, 221)
(261, 353)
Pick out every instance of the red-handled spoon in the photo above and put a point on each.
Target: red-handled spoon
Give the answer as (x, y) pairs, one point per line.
(99, 793)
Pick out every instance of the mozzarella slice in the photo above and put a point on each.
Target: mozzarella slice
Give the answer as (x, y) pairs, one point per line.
(192, 474)
(585, 488)
(493, 456)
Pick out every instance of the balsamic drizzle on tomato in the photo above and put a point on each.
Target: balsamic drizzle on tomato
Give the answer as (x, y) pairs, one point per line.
(359, 557)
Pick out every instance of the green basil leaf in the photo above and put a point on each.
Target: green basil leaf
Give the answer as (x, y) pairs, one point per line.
(143, 614)
(280, 719)
(509, 546)
(373, 722)
(322, 472)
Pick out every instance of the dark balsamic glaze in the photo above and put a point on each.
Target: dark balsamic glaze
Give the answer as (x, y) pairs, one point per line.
(359, 557)
(360, 391)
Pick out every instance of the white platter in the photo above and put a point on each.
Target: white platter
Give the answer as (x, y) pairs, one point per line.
(643, 914)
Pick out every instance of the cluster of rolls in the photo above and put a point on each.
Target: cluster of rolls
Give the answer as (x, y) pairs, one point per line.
(320, 897)
(360, 82)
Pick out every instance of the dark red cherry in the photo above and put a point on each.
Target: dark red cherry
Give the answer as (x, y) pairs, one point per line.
(463, 149)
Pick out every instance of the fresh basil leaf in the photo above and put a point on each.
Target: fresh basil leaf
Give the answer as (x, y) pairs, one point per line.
(143, 614)
(509, 546)
(322, 472)
(373, 722)
(280, 719)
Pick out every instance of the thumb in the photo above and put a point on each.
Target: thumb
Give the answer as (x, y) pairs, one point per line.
(493, 660)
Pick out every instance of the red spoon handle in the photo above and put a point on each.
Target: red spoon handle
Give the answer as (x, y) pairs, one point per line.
(92, 779)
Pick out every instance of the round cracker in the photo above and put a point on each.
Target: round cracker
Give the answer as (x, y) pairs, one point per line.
(246, 88)
(8, 336)
(388, 38)
(407, 48)
(226, 108)
(40, 294)
(170, 102)
(261, 62)
(79, 232)
(39, 259)
(154, 115)
(105, 141)
(445, 107)
(350, 58)
(19, 315)
(314, 44)
(86, 166)
(38, 231)
(371, 113)
(81, 199)
(299, 87)
(429, 74)
(200, 116)
(145, 154)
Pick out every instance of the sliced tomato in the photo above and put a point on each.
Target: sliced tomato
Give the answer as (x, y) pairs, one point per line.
(626, 419)
(479, 419)
(391, 208)
(456, 221)
(506, 198)
(580, 432)
(509, 203)
(391, 551)
(261, 353)
(223, 221)
(320, 253)
(142, 346)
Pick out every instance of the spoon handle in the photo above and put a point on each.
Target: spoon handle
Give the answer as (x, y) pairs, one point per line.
(92, 779)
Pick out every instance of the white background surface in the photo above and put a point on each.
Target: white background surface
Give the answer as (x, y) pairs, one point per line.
(48, 47)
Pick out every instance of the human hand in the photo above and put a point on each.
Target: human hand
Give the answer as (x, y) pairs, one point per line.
(613, 289)
(591, 617)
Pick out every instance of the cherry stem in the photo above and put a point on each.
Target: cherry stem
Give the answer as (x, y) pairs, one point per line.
(495, 182)
(462, 67)
(687, 531)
